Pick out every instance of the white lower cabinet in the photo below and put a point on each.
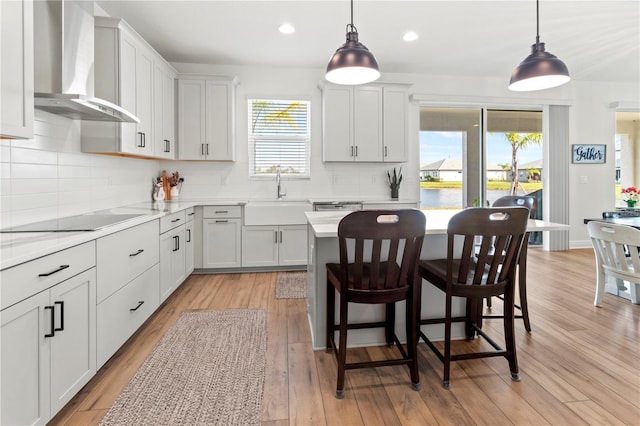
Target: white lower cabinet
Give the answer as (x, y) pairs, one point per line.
(284, 245)
(172, 261)
(48, 350)
(221, 237)
(120, 315)
(189, 238)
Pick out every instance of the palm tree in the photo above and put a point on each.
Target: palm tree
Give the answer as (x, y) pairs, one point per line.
(517, 141)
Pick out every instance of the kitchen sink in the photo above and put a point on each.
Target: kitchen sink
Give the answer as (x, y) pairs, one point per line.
(276, 212)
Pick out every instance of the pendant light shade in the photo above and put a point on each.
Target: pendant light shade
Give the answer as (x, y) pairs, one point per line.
(540, 70)
(352, 63)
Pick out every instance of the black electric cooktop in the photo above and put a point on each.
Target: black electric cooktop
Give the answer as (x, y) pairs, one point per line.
(83, 222)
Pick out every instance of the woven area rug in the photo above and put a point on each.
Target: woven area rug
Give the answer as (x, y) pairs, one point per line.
(291, 285)
(208, 369)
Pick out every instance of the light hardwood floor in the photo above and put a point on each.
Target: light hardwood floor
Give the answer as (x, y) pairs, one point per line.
(579, 365)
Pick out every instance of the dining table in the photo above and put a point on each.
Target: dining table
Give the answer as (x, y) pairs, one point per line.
(322, 239)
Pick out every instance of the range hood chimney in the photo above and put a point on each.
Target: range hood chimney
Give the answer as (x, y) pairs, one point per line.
(64, 63)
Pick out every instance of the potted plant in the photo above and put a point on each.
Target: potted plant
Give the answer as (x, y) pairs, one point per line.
(630, 195)
(394, 182)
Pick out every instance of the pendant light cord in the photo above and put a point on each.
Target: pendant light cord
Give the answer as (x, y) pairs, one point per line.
(352, 13)
(537, 22)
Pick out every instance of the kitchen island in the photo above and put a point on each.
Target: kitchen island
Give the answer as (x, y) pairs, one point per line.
(323, 248)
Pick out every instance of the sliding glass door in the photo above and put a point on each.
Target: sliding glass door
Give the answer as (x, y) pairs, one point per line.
(473, 156)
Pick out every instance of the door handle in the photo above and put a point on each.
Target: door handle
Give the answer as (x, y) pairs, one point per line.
(52, 331)
(140, 303)
(61, 328)
(136, 253)
(62, 267)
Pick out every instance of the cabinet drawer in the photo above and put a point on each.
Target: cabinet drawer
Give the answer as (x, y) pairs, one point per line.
(171, 221)
(119, 316)
(27, 279)
(125, 255)
(189, 213)
(214, 212)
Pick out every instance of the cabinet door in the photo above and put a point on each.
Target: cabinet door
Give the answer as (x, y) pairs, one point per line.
(24, 362)
(260, 245)
(219, 125)
(292, 248)
(172, 261)
(395, 103)
(73, 348)
(163, 111)
(191, 119)
(16, 69)
(144, 101)
(367, 122)
(221, 243)
(128, 136)
(188, 249)
(169, 114)
(337, 119)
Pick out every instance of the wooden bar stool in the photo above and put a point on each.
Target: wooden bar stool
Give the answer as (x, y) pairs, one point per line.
(379, 252)
(483, 246)
(530, 203)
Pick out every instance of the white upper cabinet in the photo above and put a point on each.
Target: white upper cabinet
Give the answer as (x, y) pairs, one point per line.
(164, 143)
(16, 69)
(364, 123)
(206, 120)
(129, 73)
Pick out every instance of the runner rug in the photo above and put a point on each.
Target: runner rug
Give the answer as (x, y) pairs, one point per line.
(291, 285)
(208, 369)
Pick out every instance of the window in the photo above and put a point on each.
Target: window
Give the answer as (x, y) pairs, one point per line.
(279, 135)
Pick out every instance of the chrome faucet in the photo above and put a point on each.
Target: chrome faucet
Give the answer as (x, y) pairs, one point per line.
(280, 193)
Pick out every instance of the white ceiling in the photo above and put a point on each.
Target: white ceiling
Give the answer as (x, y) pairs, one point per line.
(598, 40)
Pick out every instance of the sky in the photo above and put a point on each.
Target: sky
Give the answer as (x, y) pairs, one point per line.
(435, 146)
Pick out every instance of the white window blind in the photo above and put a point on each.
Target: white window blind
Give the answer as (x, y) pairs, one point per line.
(279, 135)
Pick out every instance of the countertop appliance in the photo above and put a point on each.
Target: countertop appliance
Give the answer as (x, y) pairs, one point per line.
(83, 222)
(337, 205)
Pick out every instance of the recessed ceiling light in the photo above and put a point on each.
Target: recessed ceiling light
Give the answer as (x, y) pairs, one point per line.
(286, 29)
(410, 36)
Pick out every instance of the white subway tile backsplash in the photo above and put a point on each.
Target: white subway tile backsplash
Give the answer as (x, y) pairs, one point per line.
(33, 156)
(33, 171)
(34, 186)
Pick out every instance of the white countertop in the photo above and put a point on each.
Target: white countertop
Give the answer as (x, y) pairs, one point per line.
(20, 247)
(325, 224)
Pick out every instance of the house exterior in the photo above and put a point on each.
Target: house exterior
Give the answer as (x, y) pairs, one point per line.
(450, 170)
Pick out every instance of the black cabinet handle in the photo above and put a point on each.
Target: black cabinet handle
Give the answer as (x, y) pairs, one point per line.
(136, 253)
(175, 220)
(222, 221)
(385, 151)
(190, 214)
(61, 328)
(207, 149)
(201, 148)
(280, 237)
(189, 235)
(62, 267)
(144, 140)
(141, 144)
(167, 146)
(222, 211)
(52, 332)
(140, 303)
(176, 243)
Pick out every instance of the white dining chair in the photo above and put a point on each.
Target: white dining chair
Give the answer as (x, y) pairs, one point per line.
(617, 256)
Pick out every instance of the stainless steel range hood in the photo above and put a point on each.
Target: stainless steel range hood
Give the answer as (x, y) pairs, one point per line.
(64, 63)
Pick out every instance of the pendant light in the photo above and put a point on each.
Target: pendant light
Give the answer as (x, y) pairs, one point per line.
(352, 63)
(540, 70)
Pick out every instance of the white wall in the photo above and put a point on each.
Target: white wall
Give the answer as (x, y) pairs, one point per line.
(49, 177)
